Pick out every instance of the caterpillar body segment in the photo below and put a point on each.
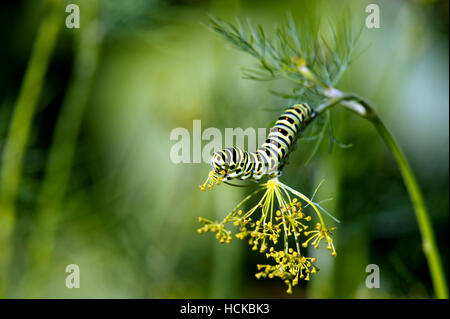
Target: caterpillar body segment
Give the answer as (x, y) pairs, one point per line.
(270, 157)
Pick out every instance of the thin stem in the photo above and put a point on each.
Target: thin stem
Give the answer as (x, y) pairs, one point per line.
(61, 156)
(283, 202)
(361, 107)
(306, 199)
(426, 229)
(235, 209)
(19, 131)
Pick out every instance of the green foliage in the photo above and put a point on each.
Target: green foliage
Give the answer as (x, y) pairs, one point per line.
(314, 62)
(315, 65)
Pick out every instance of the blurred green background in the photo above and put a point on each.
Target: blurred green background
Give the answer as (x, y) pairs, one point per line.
(98, 188)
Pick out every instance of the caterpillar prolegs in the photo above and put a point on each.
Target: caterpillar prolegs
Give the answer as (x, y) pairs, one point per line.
(269, 159)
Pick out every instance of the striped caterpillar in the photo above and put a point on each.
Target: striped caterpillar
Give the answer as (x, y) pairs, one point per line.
(269, 159)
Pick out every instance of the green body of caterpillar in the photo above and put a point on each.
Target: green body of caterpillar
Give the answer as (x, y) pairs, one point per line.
(269, 159)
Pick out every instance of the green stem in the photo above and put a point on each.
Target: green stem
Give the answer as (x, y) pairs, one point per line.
(361, 107)
(428, 238)
(61, 156)
(20, 129)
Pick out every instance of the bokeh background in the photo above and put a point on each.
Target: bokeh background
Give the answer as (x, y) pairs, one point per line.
(120, 209)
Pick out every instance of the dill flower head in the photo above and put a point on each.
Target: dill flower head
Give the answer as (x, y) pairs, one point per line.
(278, 226)
(289, 266)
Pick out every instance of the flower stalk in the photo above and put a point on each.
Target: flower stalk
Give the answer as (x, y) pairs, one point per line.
(362, 108)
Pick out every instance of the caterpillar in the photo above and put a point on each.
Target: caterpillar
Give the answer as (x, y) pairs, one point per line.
(269, 159)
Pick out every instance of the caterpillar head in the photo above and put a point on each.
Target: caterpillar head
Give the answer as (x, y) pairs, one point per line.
(219, 164)
(219, 171)
(222, 166)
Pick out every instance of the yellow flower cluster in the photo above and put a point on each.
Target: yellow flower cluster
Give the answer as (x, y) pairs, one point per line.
(316, 236)
(213, 179)
(277, 220)
(223, 235)
(290, 267)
